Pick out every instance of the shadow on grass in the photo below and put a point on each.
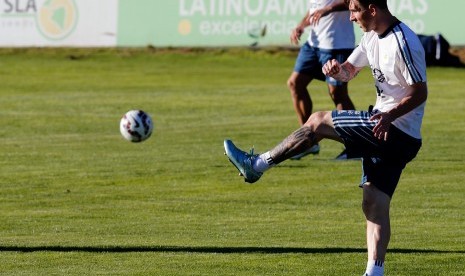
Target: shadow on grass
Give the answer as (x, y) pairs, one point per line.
(215, 250)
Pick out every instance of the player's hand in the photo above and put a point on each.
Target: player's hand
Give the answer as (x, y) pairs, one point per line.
(381, 129)
(331, 68)
(315, 16)
(296, 34)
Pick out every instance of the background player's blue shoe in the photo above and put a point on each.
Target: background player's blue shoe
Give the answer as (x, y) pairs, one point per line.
(242, 161)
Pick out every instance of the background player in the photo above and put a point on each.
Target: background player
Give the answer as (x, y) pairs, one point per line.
(331, 36)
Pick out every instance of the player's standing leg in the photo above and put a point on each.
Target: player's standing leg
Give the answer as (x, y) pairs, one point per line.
(376, 209)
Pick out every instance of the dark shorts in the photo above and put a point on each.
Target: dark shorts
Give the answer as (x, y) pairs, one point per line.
(382, 161)
(310, 61)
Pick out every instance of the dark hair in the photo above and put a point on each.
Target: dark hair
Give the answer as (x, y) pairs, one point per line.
(382, 4)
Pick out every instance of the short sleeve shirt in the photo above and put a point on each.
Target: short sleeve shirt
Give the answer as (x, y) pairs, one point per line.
(397, 60)
(333, 31)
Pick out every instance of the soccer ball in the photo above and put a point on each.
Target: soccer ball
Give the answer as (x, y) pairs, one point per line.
(136, 126)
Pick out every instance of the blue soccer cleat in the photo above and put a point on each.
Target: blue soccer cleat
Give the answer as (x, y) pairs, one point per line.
(242, 161)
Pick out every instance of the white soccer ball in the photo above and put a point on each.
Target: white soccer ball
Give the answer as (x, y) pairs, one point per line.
(136, 126)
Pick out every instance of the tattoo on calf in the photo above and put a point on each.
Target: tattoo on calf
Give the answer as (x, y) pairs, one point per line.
(299, 141)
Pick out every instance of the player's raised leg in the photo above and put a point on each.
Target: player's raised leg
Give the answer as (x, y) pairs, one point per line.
(251, 167)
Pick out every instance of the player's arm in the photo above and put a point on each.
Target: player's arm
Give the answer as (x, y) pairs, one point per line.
(297, 32)
(417, 95)
(315, 16)
(341, 72)
(313, 19)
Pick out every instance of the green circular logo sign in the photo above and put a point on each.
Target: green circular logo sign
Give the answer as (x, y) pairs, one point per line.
(56, 19)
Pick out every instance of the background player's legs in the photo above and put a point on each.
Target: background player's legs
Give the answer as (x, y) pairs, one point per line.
(340, 96)
(301, 99)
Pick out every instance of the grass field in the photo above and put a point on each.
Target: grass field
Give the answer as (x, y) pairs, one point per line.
(77, 199)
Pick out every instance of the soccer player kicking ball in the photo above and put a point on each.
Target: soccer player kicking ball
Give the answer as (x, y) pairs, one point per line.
(386, 137)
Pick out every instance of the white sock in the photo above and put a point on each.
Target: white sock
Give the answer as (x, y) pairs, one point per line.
(263, 162)
(375, 268)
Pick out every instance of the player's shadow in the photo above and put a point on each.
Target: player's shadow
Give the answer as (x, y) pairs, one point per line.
(214, 250)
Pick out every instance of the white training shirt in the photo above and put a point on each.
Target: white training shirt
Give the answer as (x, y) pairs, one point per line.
(397, 60)
(333, 31)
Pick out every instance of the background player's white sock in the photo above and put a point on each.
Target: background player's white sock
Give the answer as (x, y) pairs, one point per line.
(375, 268)
(263, 162)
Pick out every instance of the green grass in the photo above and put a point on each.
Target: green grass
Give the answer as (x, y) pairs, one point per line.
(77, 199)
